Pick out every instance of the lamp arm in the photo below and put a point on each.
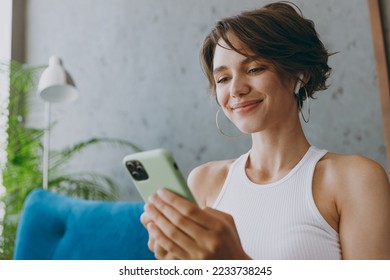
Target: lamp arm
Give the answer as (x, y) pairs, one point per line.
(46, 146)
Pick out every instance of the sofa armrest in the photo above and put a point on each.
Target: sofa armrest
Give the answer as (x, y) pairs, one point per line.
(54, 226)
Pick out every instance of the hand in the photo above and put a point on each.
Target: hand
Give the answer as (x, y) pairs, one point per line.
(178, 229)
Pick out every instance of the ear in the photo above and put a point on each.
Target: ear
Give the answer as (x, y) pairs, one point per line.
(299, 83)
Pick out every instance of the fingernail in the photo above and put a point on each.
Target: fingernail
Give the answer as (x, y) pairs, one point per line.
(152, 198)
(151, 228)
(162, 193)
(148, 207)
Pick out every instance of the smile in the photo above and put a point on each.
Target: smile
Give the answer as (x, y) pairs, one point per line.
(245, 106)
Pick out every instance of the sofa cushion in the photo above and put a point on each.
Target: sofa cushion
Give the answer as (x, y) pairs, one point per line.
(54, 226)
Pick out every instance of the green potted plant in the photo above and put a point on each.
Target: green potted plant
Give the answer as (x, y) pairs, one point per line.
(23, 171)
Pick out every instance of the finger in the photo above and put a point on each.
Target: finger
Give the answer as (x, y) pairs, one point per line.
(162, 254)
(151, 244)
(219, 215)
(145, 218)
(186, 208)
(192, 229)
(169, 237)
(165, 247)
(159, 252)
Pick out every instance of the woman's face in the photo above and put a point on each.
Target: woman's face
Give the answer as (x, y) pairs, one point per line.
(251, 93)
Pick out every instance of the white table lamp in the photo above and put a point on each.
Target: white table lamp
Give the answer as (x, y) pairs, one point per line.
(55, 86)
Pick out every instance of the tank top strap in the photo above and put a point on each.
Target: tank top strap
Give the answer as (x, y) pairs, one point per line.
(312, 157)
(316, 154)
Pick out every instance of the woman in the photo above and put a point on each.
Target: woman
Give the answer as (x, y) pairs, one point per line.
(284, 199)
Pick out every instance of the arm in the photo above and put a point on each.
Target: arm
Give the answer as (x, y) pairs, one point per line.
(364, 207)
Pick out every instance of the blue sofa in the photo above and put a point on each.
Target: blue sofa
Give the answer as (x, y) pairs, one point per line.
(54, 226)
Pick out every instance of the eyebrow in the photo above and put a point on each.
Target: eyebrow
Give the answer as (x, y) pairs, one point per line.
(245, 61)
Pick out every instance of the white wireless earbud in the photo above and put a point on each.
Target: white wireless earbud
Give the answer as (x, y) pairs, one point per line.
(299, 83)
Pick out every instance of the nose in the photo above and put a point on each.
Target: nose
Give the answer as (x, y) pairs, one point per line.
(239, 86)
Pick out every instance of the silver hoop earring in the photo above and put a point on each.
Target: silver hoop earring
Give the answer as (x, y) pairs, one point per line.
(308, 108)
(219, 128)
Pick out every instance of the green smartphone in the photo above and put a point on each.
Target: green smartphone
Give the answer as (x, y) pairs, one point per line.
(156, 169)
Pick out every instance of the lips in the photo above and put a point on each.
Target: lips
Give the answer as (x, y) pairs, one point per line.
(245, 104)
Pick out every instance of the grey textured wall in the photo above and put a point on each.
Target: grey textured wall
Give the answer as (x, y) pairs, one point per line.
(137, 67)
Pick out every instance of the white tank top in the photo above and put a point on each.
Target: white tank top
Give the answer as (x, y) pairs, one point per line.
(279, 220)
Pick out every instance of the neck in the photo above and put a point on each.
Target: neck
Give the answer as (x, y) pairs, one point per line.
(276, 152)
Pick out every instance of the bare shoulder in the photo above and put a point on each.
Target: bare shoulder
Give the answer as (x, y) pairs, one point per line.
(361, 192)
(206, 180)
(351, 176)
(352, 169)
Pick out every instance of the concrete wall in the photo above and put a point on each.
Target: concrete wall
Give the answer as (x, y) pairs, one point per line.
(137, 67)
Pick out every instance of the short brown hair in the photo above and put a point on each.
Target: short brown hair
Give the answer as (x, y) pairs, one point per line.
(278, 33)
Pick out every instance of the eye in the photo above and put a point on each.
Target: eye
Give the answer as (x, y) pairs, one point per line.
(222, 80)
(255, 70)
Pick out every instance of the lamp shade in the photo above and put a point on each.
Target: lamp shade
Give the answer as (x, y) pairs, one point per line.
(55, 84)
